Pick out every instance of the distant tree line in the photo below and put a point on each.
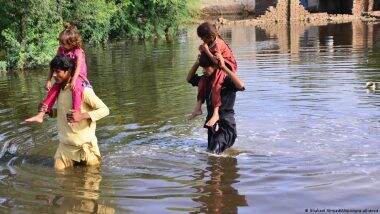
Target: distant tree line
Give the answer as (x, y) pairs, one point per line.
(29, 28)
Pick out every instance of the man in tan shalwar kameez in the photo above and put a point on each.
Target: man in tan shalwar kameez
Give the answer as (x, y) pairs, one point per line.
(76, 130)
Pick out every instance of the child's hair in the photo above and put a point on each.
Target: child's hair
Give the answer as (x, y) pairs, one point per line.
(61, 62)
(207, 30)
(70, 35)
(205, 61)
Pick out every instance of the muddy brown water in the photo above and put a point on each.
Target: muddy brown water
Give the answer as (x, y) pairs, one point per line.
(308, 131)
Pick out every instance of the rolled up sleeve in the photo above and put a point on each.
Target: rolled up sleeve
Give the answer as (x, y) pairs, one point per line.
(100, 109)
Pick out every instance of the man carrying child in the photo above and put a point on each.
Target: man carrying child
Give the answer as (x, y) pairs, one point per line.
(222, 133)
(76, 129)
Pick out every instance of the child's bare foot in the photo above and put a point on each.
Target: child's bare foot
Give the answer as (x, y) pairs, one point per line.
(195, 113)
(39, 118)
(212, 121)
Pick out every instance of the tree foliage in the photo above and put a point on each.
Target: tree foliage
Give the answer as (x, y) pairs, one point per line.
(28, 31)
(29, 28)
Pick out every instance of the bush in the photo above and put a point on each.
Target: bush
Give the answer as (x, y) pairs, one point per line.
(147, 18)
(93, 18)
(30, 39)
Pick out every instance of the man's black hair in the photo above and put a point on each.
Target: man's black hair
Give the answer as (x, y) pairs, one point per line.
(205, 61)
(207, 30)
(61, 62)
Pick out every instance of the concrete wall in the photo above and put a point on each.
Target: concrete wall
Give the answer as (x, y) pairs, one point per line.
(208, 3)
(220, 7)
(261, 7)
(253, 7)
(355, 7)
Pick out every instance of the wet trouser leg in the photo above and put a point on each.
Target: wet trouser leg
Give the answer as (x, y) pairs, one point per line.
(225, 137)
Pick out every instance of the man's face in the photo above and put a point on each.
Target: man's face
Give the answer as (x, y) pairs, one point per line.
(208, 71)
(207, 40)
(61, 76)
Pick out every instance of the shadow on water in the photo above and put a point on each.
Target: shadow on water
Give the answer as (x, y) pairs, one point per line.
(307, 129)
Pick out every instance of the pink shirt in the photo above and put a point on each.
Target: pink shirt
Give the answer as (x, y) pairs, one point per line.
(76, 54)
(221, 47)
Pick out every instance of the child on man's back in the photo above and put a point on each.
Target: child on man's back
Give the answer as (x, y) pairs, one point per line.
(215, 47)
(71, 46)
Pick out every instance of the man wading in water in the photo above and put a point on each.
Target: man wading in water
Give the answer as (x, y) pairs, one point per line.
(76, 130)
(222, 134)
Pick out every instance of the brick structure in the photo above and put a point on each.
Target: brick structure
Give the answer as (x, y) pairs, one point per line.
(358, 7)
(359, 35)
(278, 13)
(371, 5)
(279, 10)
(261, 6)
(297, 11)
(293, 10)
(225, 7)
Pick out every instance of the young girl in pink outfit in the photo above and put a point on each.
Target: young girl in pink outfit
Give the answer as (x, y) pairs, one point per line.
(71, 46)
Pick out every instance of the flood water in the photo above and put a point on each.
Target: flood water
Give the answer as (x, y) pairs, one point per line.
(308, 131)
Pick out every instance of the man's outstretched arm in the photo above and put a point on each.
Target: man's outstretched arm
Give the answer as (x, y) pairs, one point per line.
(192, 70)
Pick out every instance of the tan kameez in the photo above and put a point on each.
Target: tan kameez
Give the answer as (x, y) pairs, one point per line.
(77, 142)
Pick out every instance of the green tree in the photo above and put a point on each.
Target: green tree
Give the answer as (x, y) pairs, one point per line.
(146, 18)
(29, 28)
(93, 18)
(29, 32)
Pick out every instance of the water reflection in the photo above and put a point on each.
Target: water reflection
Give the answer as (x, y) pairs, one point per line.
(295, 36)
(86, 187)
(218, 194)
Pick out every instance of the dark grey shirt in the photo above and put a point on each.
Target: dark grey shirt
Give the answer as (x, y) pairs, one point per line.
(227, 94)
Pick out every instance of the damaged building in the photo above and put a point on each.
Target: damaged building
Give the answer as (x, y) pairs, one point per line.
(354, 7)
(260, 7)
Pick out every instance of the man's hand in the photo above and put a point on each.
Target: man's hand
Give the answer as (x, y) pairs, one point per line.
(204, 48)
(212, 121)
(72, 83)
(74, 116)
(48, 85)
(221, 62)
